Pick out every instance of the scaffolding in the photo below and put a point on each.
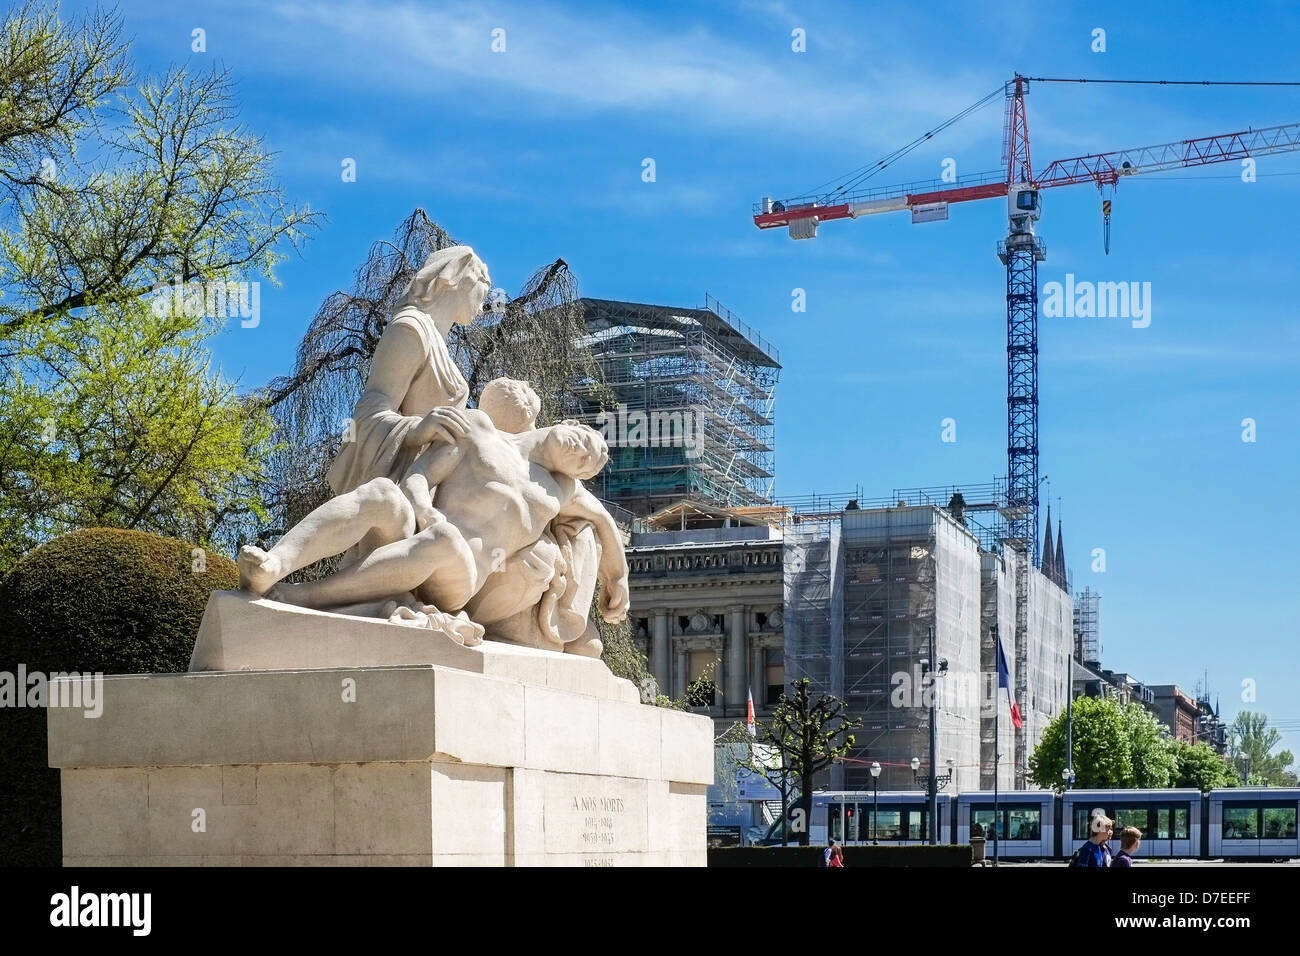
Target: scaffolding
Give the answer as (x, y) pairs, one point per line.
(1087, 630)
(984, 510)
(813, 608)
(997, 623)
(908, 570)
(938, 557)
(693, 412)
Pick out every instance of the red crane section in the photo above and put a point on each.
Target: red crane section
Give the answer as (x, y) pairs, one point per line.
(802, 215)
(1107, 168)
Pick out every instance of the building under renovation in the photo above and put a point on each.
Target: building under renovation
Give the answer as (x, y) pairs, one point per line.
(848, 593)
(692, 414)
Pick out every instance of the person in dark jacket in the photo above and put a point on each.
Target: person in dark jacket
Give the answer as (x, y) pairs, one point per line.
(1096, 852)
(1129, 840)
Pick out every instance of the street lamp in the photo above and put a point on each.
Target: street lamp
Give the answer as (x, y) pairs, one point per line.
(940, 669)
(916, 765)
(875, 799)
(1067, 775)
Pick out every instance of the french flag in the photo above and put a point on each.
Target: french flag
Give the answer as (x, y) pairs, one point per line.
(1004, 680)
(749, 714)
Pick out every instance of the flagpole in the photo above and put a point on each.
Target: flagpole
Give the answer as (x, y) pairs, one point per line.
(997, 706)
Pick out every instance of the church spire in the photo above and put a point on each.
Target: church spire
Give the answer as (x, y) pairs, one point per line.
(1049, 555)
(1061, 578)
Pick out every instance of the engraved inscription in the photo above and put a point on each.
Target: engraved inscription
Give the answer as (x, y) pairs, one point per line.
(599, 824)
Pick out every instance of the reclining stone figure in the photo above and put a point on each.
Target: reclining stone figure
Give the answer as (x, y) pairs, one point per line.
(467, 507)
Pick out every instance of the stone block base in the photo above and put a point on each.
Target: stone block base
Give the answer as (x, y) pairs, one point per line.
(418, 765)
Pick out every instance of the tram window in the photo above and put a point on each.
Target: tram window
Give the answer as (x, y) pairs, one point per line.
(1240, 823)
(1017, 823)
(1162, 815)
(1082, 814)
(1132, 817)
(1279, 823)
(984, 818)
(916, 825)
(1182, 831)
(1023, 824)
(888, 825)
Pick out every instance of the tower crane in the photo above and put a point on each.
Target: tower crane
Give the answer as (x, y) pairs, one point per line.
(1022, 250)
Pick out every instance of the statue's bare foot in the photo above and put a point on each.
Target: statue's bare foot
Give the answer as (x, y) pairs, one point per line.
(258, 570)
(457, 627)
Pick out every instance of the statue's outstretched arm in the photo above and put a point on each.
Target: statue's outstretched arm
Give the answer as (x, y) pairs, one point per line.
(613, 572)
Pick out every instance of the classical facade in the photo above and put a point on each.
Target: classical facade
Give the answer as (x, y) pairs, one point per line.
(707, 607)
(729, 602)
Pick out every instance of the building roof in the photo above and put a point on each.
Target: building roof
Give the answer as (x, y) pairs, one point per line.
(744, 341)
(691, 513)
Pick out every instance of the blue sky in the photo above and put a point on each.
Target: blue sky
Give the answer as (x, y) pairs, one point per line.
(536, 153)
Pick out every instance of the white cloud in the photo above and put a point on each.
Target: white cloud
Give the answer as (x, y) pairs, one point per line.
(560, 62)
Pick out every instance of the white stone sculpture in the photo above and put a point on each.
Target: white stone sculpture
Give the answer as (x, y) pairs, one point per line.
(469, 522)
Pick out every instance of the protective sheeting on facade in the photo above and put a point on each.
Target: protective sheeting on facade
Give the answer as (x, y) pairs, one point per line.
(998, 622)
(1049, 640)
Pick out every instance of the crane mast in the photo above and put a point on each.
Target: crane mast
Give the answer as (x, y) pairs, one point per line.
(1021, 251)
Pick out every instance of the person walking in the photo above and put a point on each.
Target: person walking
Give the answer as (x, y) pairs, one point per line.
(828, 853)
(837, 856)
(1130, 839)
(1096, 852)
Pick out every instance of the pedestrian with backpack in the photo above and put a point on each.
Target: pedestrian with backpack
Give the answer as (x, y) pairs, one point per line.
(1096, 852)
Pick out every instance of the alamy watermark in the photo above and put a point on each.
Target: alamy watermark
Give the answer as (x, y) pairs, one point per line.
(131, 911)
(679, 428)
(1098, 300)
(956, 690)
(215, 299)
(58, 689)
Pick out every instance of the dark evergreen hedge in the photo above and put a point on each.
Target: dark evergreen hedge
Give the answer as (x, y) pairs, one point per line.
(100, 600)
(854, 856)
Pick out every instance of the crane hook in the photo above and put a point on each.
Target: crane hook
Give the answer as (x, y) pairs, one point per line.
(1105, 213)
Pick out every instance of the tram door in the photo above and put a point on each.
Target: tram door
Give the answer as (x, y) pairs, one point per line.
(1159, 835)
(915, 824)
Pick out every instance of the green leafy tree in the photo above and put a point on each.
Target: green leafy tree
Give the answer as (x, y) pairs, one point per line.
(1101, 752)
(1250, 744)
(109, 190)
(1150, 749)
(1199, 765)
(809, 735)
(112, 414)
(118, 420)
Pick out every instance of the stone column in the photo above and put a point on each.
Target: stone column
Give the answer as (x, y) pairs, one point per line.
(661, 662)
(719, 673)
(758, 673)
(683, 674)
(735, 659)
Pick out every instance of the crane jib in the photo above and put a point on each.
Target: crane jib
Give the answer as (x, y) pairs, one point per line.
(852, 210)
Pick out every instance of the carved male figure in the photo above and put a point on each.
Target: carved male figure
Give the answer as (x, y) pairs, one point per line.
(495, 495)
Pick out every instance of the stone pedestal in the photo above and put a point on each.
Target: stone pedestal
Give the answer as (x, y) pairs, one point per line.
(421, 753)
